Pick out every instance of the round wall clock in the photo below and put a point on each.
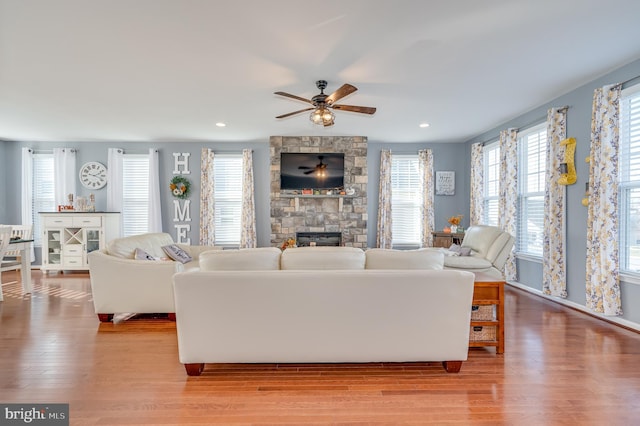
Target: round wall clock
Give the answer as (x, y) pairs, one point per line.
(93, 175)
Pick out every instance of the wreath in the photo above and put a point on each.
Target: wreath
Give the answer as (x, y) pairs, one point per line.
(180, 187)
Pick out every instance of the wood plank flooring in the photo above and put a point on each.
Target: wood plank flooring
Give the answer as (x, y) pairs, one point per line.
(560, 367)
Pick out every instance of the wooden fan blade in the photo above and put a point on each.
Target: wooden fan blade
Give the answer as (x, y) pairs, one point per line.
(288, 95)
(305, 167)
(295, 112)
(344, 90)
(354, 108)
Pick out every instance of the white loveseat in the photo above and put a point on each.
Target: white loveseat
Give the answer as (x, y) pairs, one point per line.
(322, 304)
(489, 249)
(122, 284)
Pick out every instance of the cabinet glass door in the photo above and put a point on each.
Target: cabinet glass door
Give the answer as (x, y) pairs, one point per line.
(54, 237)
(93, 239)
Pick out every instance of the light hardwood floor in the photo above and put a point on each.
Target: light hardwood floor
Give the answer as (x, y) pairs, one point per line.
(560, 367)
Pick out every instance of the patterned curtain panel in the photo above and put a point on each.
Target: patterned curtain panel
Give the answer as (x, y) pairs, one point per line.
(509, 192)
(384, 201)
(207, 210)
(603, 285)
(554, 280)
(248, 220)
(476, 209)
(425, 158)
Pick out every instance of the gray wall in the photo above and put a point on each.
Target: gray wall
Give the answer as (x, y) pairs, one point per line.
(579, 127)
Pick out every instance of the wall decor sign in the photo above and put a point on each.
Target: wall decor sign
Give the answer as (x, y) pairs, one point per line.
(180, 187)
(445, 183)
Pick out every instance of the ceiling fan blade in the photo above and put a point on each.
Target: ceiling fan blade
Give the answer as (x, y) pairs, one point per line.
(305, 167)
(289, 95)
(344, 90)
(294, 113)
(354, 108)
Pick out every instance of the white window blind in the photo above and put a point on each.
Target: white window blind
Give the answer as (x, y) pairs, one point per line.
(491, 179)
(629, 177)
(406, 201)
(532, 148)
(135, 200)
(43, 192)
(227, 175)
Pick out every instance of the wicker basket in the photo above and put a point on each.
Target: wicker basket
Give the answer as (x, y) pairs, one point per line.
(482, 333)
(483, 313)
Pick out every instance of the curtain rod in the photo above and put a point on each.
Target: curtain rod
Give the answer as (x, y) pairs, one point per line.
(628, 80)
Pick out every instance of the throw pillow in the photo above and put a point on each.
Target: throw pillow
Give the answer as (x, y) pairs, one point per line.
(465, 251)
(177, 254)
(143, 255)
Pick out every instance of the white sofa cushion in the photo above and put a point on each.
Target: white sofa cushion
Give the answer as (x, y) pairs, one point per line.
(334, 258)
(425, 258)
(480, 238)
(467, 262)
(251, 259)
(152, 243)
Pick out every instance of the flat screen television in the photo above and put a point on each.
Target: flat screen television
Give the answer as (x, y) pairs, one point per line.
(311, 170)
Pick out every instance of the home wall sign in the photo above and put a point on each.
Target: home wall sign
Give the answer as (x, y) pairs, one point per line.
(181, 206)
(445, 183)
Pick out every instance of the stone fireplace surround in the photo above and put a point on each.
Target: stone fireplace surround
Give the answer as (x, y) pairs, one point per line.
(292, 212)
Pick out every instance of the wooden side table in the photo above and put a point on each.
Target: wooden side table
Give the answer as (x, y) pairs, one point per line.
(445, 239)
(488, 292)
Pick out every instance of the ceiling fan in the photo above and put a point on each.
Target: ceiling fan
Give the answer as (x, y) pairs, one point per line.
(322, 104)
(320, 168)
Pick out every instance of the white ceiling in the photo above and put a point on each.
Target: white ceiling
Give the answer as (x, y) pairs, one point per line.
(168, 70)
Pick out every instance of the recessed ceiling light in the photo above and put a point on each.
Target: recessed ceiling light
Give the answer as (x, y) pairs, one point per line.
(221, 124)
(424, 125)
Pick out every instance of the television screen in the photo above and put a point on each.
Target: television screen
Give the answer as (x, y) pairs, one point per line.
(311, 171)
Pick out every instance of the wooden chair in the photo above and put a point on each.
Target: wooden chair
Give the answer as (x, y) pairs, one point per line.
(5, 237)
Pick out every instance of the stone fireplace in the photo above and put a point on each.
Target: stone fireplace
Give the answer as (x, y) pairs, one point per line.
(293, 212)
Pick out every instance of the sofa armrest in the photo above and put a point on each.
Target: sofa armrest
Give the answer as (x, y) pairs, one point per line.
(129, 285)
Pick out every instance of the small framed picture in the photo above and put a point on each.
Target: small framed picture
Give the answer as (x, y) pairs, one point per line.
(445, 183)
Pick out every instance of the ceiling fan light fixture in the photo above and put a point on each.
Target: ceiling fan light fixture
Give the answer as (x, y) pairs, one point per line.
(322, 116)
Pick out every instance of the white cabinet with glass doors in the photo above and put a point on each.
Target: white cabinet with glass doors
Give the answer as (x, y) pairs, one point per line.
(69, 237)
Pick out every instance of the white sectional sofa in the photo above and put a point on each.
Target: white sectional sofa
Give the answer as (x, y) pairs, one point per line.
(322, 304)
(122, 284)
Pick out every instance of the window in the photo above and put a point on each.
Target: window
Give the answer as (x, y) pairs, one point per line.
(491, 179)
(532, 149)
(43, 192)
(227, 188)
(135, 199)
(629, 172)
(406, 201)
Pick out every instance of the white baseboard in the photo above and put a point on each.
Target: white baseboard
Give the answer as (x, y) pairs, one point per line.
(615, 320)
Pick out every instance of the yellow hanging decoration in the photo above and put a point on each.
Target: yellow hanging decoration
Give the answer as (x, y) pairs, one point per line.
(568, 174)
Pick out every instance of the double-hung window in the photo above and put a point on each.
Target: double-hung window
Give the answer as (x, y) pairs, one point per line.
(491, 181)
(227, 190)
(629, 180)
(43, 192)
(532, 149)
(135, 198)
(406, 201)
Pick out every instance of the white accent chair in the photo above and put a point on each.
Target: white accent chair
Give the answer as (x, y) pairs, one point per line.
(5, 236)
(490, 248)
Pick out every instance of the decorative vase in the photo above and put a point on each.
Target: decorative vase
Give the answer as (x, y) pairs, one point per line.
(454, 229)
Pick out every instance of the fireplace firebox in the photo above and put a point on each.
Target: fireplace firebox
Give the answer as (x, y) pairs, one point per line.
(306, 239)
